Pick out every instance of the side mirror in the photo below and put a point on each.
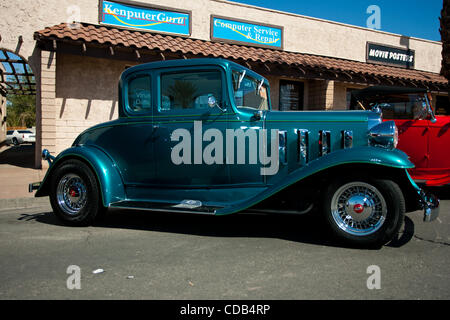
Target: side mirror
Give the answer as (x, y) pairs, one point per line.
(212, 102)
(257, 115)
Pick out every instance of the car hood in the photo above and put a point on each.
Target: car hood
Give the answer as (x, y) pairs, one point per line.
(323, 116)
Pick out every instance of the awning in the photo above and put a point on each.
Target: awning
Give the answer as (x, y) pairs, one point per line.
(146, 46)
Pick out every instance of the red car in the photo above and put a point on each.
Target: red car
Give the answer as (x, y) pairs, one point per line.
(424, 136)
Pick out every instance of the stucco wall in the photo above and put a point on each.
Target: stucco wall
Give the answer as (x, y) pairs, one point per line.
(23, 18)
(301, 34)
(316, 36)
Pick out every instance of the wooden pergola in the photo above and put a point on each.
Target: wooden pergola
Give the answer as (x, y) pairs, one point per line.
(16, 76)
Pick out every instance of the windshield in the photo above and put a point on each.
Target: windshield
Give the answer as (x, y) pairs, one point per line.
(396, 106)
(249, 92)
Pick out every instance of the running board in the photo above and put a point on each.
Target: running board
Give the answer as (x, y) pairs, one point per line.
(293, 212)
(185, 206)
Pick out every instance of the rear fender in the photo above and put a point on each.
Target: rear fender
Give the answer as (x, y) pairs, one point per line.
(108, 176)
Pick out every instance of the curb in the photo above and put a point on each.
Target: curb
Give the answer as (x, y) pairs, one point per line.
(22, 203)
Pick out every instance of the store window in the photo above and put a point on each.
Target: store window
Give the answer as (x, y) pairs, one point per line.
(291, 95)
(442, 106)
(190, 90)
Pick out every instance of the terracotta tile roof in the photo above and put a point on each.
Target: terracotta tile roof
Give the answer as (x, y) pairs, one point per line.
(152, 41)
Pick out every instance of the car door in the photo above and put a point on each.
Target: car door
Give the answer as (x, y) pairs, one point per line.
(130, 142)
(245, 138)
(439, 142)
(189, 135)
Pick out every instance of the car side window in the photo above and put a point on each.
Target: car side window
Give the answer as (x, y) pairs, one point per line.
(190, 90)
(139, 94)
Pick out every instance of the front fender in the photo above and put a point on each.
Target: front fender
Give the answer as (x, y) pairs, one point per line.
(108, 176)
(369, 155)
(360, 155)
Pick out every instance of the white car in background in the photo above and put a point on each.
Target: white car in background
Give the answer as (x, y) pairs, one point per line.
(17, 137)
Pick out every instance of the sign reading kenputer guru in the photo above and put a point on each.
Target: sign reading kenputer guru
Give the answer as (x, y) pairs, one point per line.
(130, 15)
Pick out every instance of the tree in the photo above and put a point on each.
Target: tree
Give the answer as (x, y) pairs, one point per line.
(20, 110)
(183, 92)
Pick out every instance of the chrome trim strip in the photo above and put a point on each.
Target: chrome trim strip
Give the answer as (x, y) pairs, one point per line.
(347, 139)
(163, 210)
(303, 146)
(282, 137)
(324, 142)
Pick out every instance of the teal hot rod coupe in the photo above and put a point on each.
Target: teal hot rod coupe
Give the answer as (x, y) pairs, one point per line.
(199, 136)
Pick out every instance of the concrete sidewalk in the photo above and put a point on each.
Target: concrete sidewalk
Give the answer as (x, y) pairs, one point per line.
(16, 172)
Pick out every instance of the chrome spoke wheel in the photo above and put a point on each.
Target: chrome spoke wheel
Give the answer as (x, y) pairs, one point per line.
(71, 194)
(358, 208)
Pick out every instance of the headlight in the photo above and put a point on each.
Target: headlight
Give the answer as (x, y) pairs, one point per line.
(384, 135)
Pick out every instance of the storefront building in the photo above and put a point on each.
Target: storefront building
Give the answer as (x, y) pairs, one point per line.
(78, 51)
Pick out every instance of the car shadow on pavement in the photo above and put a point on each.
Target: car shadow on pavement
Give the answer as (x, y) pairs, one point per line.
(304, 229)
(405, 235)
(19, 156)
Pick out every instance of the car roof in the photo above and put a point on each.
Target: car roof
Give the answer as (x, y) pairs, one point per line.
(185, 63)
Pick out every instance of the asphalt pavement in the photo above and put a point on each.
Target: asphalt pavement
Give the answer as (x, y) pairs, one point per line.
(144, 255)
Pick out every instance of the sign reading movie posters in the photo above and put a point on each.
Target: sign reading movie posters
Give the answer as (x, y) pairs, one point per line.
(392, 56)
(139, 16)
(245, 32)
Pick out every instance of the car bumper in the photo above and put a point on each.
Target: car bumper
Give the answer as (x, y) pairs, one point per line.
(430, 206)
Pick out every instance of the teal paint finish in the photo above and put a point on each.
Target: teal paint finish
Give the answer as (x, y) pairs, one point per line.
(362, 155)
(333, 121)
(220, 196)
(111, 184)
(131, 155)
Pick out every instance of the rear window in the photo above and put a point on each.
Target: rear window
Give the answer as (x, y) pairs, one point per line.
(139, 94)
(25, 131)
(10, 132)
